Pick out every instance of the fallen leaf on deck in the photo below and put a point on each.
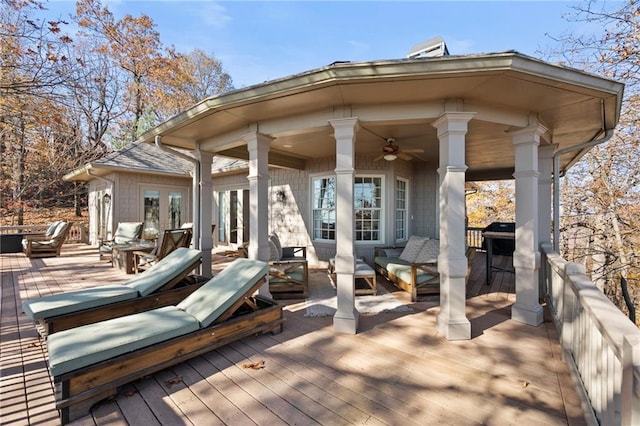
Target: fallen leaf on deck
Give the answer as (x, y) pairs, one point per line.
(525, 384)
(174, 381)
(254, 365)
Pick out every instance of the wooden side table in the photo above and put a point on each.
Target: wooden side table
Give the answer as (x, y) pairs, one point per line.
(124, 258)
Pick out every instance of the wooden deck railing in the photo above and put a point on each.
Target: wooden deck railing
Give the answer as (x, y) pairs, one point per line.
(77, 234)
(474, 237)
(600, 344)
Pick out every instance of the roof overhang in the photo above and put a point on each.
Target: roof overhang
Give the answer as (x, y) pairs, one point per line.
(92, 171)
(400, 99)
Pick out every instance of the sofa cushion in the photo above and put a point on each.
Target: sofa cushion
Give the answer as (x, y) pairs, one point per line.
(79, 347)
(273, 238)
(393, 252)
(127, 231)
(413, 247)
(402, 269)
(74, 301)
(212, 299)
(164, 271)
(429, 252)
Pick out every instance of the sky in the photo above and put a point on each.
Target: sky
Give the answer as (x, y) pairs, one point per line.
(264, 40)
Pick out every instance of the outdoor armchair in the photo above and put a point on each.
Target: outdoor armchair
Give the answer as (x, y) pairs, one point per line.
(171, 240)
(288, 270)
(126, 232)
(47, 246)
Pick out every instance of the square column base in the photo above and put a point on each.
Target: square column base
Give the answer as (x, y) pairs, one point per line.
(454, 328)
(347, 324)
(531, 315)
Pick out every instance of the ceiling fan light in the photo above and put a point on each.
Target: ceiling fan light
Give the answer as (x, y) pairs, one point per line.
(390, 157)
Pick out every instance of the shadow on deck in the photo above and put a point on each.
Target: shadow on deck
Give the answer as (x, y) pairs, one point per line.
(396, 370)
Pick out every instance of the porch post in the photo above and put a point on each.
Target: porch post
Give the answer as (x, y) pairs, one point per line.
(526, 258)
(206, 187)
(258, 146)
(452, 321)
(346, 318)
(545, 166)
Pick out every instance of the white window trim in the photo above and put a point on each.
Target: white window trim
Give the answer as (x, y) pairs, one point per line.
(406, 209)
(312, 178)
(382, 209)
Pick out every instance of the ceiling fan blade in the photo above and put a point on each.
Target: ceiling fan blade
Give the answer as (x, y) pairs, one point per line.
(404, 156)
(414, 150)
(378, 158)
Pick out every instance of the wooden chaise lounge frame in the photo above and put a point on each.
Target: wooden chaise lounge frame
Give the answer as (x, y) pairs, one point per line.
(170, 293)
(79, 389)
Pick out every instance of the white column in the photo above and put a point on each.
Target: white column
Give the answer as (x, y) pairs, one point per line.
(258, 146)
(452, 321)
(346, 318)
(526, 258)
(205, 240)
(545, 180)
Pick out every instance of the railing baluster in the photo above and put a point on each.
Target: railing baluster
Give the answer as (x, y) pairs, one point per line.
(602, 345)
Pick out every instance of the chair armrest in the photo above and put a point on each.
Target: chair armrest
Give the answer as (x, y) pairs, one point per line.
(291, 252)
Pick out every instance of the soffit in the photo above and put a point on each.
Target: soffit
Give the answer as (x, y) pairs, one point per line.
(571, 104)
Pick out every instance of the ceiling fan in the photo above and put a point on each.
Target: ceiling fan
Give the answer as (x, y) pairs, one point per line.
(391, 151)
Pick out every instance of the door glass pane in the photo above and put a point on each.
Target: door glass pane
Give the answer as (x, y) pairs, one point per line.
(222, 217)
(175, 210)
(233, 216)
(151, 214)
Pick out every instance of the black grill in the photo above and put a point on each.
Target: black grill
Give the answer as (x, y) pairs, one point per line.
(501, 247)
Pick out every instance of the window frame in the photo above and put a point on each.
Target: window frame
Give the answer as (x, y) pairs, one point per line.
(405, 210)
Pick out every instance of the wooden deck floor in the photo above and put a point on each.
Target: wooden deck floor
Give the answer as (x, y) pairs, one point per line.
(397, 370)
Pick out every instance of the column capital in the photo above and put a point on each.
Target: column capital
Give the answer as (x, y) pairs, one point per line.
(528, 134)
(453, 121)
(345, 127)
(257, 141)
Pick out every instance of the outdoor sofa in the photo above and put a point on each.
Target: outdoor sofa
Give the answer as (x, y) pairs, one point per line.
(90, 362)
(414, 268)
(165, 283)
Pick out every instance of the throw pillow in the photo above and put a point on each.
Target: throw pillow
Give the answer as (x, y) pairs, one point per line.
(412, 248)
(276, 241)
(429, 252)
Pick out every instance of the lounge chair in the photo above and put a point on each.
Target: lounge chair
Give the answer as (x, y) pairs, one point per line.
(47, 246)
(125, 233)
(89, 363)
(289, 271)
(171, 240)
(162, 284)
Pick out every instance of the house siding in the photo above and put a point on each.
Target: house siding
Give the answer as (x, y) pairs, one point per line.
(291, 219)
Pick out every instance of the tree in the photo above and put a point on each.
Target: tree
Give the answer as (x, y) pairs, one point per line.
(30, 77)
(600, 197)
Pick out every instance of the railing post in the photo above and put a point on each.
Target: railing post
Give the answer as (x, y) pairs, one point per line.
(630, 405)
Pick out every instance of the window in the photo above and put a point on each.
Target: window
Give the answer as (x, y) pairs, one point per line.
(401, 209)
(324, 208)
(151, 213)
(368, 208)
(175, 210)
(222, 217)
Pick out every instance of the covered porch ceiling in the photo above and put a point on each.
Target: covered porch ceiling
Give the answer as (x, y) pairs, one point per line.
(400, 99)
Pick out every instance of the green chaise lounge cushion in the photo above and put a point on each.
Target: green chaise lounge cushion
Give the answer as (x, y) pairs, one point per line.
(88, 344)
(82, 346)
(402, 269)
(215, 297)
(170, 267)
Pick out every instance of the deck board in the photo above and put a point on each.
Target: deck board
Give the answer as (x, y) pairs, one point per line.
(396, 370)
